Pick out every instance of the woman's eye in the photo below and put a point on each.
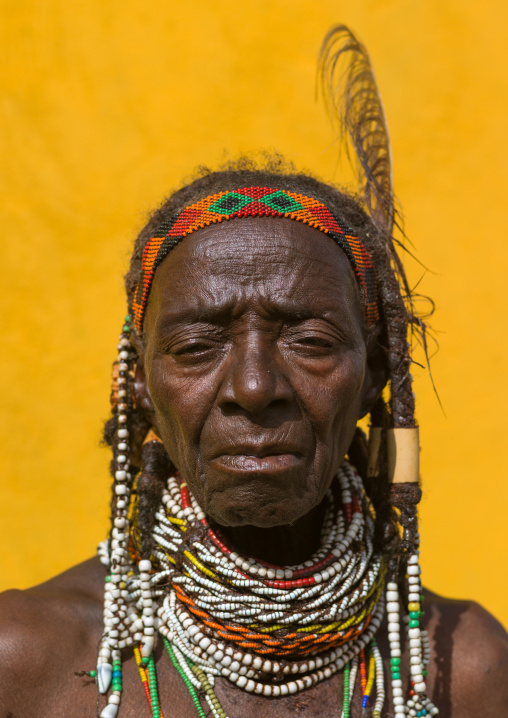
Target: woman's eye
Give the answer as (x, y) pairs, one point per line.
(311, 337)
(316, 342)
(313, 342)
(193, 348)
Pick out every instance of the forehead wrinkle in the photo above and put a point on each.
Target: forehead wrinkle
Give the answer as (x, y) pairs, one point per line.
(226, 286)
(264, 257)
(248, 244)
(254, 237)
(224, 306)
(260, 264)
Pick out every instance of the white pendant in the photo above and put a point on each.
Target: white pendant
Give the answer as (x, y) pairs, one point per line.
(104, 673)
(110, 711)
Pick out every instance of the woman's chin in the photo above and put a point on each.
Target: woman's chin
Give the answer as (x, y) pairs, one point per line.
(265, 493)
(258, 509)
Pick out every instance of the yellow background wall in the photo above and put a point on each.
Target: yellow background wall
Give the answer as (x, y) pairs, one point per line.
(107, 105)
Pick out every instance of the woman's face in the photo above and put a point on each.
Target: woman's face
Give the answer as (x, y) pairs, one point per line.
(255, 365)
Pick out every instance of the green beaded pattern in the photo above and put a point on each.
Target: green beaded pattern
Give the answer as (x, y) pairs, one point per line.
(116, 681)
(154, 696)
(188, 684)
(345, 705)
(395, 666)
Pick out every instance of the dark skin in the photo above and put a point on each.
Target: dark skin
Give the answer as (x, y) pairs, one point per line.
(256, 365)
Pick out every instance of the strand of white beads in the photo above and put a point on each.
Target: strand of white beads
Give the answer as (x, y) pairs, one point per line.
(415, 647)
(393, 615)
(380, 682)
(116, 631)
(419, 651)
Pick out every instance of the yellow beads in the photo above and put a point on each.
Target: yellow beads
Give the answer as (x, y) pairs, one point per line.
(199, 565)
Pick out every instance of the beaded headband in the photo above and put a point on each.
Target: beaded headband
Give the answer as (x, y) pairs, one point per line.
(255, 202)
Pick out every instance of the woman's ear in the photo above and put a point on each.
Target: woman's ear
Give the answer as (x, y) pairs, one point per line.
(376, 371)
(142, 393)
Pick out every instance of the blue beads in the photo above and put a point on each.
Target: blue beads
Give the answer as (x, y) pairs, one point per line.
(365, 701)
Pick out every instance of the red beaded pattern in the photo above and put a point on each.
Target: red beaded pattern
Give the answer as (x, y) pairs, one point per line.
(255, 202)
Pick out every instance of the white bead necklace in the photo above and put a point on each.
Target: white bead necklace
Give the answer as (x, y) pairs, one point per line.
(257, 593)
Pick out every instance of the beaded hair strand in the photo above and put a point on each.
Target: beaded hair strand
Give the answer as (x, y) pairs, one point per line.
(116, 555)
(136, 490)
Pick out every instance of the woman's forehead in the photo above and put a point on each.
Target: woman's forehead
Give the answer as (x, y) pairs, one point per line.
(256, 240)
(275, 258)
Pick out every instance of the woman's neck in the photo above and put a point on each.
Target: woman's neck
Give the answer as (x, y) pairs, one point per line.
(279, 545)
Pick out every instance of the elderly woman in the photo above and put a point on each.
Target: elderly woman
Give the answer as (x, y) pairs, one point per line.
(261, 559)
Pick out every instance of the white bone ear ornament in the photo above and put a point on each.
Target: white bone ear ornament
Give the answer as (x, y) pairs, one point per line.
(403, 448)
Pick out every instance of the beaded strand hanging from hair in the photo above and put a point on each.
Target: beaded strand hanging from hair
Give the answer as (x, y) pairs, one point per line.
(123, 432)
(355, 103)
(109, 663)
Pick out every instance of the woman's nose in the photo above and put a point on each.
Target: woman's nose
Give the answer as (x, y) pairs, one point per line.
(254, 378)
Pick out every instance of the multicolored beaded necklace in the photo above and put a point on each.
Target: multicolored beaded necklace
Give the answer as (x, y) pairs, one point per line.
(269, 630)
(231, 616)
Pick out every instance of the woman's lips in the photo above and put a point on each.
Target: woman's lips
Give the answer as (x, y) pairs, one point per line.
(248, 462)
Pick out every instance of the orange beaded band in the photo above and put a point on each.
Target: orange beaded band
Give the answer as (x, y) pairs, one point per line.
(255, 202)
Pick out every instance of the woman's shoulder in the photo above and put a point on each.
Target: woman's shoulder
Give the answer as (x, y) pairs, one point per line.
(51, 631)
(469, 658)
(47, 630)
(63, 600)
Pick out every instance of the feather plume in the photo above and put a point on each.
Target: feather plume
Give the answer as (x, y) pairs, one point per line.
(353, 100)
(354, 103)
